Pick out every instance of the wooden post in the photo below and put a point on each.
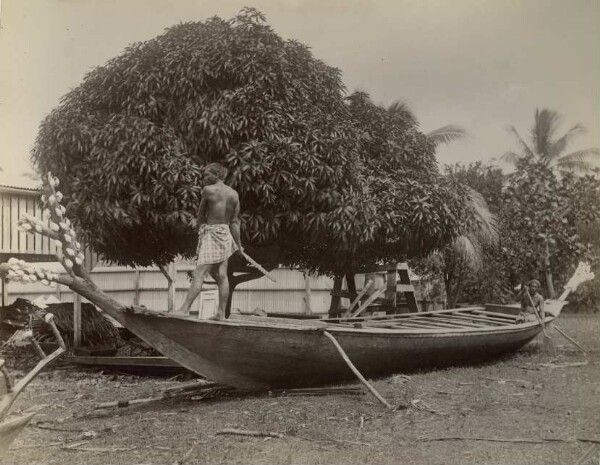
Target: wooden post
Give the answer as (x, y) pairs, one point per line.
(136, 296)
(4, 292)
(307, 294)
(409, 295)
(172, 285)
(76, 320)
(390, 292)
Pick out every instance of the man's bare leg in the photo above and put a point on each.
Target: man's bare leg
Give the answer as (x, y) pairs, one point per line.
(195, 288)
(223, 284)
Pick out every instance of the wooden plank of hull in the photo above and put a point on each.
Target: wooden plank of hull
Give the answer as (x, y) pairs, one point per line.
(425, 323)
(257, 355)
(477, 319)
(458, 322)
(505, 316)
(402, 316)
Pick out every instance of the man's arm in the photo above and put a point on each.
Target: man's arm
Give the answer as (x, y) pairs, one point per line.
(540, 302)
(234, 226)
(202, 209)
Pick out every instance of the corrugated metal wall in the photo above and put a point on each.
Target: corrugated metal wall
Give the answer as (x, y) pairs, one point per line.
(13, 203)
(285, 296)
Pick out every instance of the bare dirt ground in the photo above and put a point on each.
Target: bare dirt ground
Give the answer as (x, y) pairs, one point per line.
(547, 414)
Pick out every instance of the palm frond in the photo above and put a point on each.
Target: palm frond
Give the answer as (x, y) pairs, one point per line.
(402, 110)
(446, 134)
(526, 150)
(485, 228)
(545, 126)
(510, 157)
(467, 248)
(582, 161)
(561, 144)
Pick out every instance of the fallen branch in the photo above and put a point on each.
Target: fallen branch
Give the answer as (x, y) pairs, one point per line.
(503, 381)
(42, 425)
(420, 405)
(98, 449)
(587, 455)
(241, 432)
(496, 439)
(335, 441)
(186, 455)
(37, 446)
(564, 365)
(201, 391)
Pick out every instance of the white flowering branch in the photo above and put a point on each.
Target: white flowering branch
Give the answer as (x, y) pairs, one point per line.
(59, 229)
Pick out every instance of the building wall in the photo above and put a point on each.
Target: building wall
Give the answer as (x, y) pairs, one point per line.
(150, 289)
(13, 203)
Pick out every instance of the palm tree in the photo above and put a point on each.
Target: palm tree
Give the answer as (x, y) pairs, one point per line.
(443, 135)
(545, 145)
(465, 254)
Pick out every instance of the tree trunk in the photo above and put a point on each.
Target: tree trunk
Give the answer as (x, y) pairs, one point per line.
(351, 283)
(334, 307)
(549, 282)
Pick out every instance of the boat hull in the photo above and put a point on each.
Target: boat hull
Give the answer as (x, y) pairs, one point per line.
(260, 355)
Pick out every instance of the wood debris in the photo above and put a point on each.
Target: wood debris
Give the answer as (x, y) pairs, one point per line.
(240, 432)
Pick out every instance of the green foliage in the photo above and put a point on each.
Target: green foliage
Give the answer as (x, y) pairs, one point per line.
(331, 182)
(539, 208)
(132, 139)
(465, 260)
(487, 180)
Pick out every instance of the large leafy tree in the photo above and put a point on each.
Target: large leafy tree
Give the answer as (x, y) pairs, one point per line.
(548, 223)
(330, 182)
(131, 141)
(546, 146)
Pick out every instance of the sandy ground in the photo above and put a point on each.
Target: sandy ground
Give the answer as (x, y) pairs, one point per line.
(515, 410)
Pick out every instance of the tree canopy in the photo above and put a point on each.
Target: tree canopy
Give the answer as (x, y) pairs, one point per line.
(329, 180)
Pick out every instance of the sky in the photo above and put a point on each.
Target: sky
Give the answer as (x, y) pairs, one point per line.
(482, 64)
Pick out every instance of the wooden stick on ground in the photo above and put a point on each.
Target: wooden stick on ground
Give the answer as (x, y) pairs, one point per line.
(496, 439)
(560, 331)
(355, 370)
(587, 455)
(9, 398)
(241, 432)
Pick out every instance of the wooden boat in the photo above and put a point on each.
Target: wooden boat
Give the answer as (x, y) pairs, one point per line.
(262, 352)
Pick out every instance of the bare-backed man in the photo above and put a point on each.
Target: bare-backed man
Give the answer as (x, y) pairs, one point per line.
(218, 236)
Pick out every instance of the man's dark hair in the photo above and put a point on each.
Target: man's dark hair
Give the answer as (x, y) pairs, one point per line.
(219, 170)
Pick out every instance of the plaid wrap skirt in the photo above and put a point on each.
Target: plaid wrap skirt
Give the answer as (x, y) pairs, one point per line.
(215, 244)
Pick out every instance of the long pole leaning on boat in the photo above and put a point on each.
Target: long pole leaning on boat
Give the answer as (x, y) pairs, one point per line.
(539, 313)
(358, 374)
